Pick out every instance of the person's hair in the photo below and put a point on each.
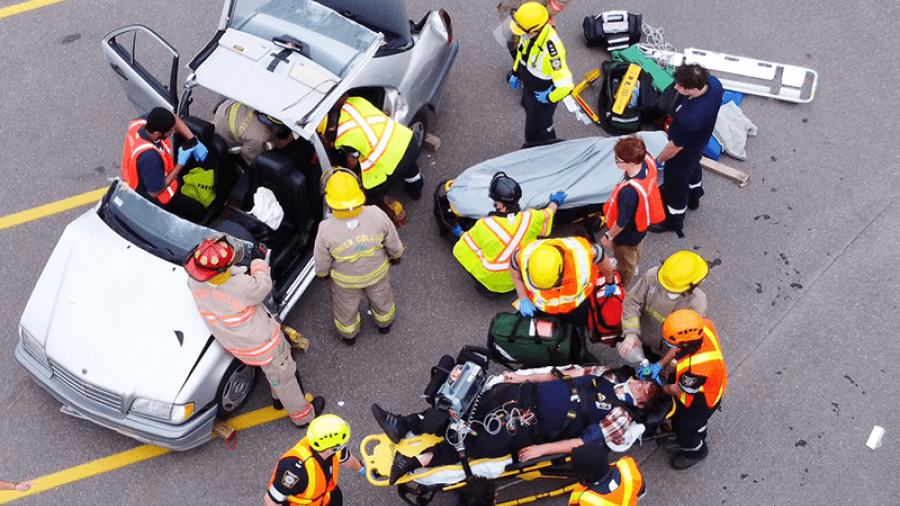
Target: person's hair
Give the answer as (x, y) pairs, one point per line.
(159, 120)
(631, 150)
(512, 208)
(692, 76)
(478, 492)
(282, 132)
(654, 394)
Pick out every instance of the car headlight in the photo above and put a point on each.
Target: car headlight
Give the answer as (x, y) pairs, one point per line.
(34, 348)
(165, 411)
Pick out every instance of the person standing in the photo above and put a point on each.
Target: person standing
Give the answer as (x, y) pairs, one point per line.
(232, 302)
(249, 132)
(660, 292)
(541, 70)
(308, 473)
(700, 380)
(556, 276)
(485, 249)
(600, 483)
(634, 205)
(355, 249)
(689, 132)
(506, 9)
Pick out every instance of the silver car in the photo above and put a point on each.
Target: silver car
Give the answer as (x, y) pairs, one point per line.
(110, 329)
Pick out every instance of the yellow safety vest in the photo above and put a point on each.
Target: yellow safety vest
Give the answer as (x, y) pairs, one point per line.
(545, 59)
(380, 141)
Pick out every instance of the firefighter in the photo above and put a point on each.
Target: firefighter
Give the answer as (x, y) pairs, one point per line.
(485, 249)
(556, 276)
(599, 483)
(231, 301)
(700, 380)
(249, 132)
(355, 249)
(541, 70)
(308, 473)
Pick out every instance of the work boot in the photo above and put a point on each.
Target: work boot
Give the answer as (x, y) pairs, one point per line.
(297, 341)
(414, 190)
(393, 426)
(680, 461)
(349, 341)
(385, 330)
(666, 226)
(694, 204)
(402, 466)
(315, 408)
(277, 405)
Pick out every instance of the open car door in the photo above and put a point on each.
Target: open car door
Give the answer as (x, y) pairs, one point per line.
(148, 73)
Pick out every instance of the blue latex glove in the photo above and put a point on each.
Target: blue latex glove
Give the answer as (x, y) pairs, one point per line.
(457, 231)
(200, 151)
(514, 82)
(651, 371)
(184, 156)
(658, 163)
(558, 197)
(543, 96)
(362, 470)
(526, 307)
(609, 290)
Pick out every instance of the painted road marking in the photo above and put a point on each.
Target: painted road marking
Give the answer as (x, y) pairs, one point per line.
(12, 10)
(37, 213)
(127, 458)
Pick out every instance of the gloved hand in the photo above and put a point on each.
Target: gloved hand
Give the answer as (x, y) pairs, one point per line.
(526, 307)
(558, 197)
(543, 96)
(651, 371)
(362, 470)
(200, 151)
(658, 163)
(515, 82)
(184, 156)
(457, 231)
(609, 290)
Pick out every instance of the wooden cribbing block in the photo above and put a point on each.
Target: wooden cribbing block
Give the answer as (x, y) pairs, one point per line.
(741, 178)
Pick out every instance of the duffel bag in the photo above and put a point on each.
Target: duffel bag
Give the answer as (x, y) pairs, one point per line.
(605, 315)
(642, 96)
(521, 341)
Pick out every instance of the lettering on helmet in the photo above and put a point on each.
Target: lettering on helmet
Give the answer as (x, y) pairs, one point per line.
(289, 479)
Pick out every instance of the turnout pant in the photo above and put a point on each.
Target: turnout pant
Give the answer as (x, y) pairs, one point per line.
(345, 302)
(689, 425)
(281, 374)
(682, 183)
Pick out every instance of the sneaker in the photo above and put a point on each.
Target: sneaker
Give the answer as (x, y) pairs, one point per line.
(297, 341)
(392, 425)
(402, 465)
(682, 461)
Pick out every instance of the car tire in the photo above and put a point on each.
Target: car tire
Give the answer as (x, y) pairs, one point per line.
(419, 126)
(235, 388)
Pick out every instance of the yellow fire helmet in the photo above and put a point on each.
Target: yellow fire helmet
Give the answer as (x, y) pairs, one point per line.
(327, 431)
(530, 17)
(545, 267)
(343, 193)
(682, 271)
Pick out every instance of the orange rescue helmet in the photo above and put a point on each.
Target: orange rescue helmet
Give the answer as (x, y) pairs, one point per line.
(682, 327)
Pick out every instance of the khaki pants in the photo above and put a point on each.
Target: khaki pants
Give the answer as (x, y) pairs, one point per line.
(345, 302)
(627, 260)
(281, 374)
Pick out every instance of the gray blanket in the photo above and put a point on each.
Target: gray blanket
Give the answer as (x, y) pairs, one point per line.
(583, 168)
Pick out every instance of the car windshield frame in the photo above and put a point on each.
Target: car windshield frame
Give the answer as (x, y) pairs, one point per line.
(150, 227)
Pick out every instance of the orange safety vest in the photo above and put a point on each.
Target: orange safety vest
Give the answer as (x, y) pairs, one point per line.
(381, 141)
(579, 275)
(708, 362)
(625, 495)
(318, 489)
(650, 206)
(134, 146)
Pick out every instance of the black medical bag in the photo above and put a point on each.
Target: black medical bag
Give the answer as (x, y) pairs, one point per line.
(629, 121)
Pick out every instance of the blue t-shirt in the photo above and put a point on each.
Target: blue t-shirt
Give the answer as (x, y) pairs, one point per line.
(151, 169)
(627, 202)
(693, 123)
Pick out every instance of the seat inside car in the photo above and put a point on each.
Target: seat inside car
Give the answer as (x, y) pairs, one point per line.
(218, 160)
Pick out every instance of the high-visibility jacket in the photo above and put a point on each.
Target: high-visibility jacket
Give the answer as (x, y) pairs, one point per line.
(134, 146)
(626, 495)
(380, 141)
(707, 362)
(485, 249)
(541, 63)
(650, 206)
(237, 316)
(579, 275)
(319, 488)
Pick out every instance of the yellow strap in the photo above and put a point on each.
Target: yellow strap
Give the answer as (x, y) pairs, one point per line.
(623, 94)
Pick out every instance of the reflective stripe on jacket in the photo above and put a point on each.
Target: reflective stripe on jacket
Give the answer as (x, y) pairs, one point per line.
(485, 249)
(380, 141)
(318, 489)
(650, 206)
(134, 146)
(625, 495)
(579, 275)
(706, 362)
(544, 60)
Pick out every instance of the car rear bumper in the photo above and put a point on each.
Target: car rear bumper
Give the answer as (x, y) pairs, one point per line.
(190, 434)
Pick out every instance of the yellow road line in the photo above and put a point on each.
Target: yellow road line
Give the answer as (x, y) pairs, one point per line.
(127, 458)
(12, 10)
(46, 210)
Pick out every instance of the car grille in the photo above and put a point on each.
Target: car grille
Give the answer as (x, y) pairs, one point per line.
(91, 392)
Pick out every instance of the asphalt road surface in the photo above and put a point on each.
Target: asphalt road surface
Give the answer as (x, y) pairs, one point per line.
(802, 287)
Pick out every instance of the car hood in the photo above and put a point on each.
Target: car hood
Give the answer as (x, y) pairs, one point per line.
(115, 316)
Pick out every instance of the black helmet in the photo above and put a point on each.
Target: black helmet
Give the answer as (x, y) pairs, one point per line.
(505, 189)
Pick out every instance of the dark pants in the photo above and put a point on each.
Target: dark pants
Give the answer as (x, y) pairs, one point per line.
(681, 184)
(538, 118)
(337, 497)
(407, 170)
(689, 425)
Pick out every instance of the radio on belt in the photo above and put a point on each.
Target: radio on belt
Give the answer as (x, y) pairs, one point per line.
(461, 388)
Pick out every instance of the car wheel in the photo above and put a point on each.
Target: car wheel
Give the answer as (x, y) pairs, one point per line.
(235, 388)
(419, 126)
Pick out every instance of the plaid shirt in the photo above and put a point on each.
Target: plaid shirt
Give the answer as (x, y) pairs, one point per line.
(618, 420)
